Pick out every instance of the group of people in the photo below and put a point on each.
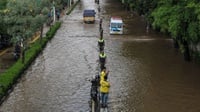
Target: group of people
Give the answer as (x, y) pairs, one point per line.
(100, 81)
(104, 84)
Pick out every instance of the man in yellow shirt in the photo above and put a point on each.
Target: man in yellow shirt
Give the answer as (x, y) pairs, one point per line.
(102, 74)
(104, 89)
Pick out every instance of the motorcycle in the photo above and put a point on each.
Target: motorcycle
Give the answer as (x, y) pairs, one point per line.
(94, 93)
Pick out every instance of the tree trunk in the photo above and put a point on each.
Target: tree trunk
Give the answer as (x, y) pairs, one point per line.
(23, 55)
(41, 32)
(126, 6)
(176, 43)
(186, 51)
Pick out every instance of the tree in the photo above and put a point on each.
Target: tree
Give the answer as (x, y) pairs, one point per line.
(2, 10)
(3, 4)
(23, 20)
(179, 18)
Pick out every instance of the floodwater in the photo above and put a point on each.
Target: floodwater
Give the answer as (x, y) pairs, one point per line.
(6, 59)
(146, 73)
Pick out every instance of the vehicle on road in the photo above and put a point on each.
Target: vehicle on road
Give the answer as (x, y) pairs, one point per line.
(89, 16)
(116, 25)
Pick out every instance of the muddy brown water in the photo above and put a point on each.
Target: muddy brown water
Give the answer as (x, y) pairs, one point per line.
(6, 59)
(146, 73)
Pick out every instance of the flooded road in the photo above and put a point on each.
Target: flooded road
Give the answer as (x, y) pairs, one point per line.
(146, 73)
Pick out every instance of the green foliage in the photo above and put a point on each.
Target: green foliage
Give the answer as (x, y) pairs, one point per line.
(2, 8)
(180, 19)
(143, 7)
(193, 32)
(24, 18)
(161, 17)
(8, 78)
(19, 19)
(53, 30)
(174, 22)
(3, 4)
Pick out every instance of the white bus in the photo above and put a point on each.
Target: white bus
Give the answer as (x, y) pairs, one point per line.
(116, 25)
